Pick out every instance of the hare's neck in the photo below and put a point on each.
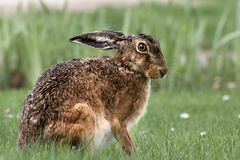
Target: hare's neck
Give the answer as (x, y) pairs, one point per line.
(140, 105)
(129, 67)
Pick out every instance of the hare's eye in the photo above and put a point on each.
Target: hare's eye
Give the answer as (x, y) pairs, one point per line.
(142, 47)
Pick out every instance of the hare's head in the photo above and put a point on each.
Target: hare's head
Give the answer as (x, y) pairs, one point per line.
(141, 51)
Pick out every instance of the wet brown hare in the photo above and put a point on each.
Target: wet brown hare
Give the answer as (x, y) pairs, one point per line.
(94, 100)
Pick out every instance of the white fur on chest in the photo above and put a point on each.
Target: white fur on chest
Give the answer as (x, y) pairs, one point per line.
(103, 133)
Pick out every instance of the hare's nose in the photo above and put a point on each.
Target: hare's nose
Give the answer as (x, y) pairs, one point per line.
(163, 72)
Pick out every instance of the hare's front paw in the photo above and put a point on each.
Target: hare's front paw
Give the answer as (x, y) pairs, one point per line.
(128, 145)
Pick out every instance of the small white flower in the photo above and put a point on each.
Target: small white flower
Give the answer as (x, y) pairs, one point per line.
(239, 116)
(74, 147)
(225, 97)
(203, 133)
(9, 116)
(184, 115)
(7, 111)
(172, 129)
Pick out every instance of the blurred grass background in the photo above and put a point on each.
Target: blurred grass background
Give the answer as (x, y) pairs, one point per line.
(200, 41)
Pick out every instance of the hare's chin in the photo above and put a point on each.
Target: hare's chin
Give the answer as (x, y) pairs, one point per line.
(156, 76)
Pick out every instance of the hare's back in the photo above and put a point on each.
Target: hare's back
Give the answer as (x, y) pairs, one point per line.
(71, 80)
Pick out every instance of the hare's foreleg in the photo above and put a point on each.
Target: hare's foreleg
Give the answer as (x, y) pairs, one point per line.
(75, 125)
(121, 133)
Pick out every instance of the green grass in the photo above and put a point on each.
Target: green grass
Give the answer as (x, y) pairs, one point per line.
(32, 42)
(152, 136)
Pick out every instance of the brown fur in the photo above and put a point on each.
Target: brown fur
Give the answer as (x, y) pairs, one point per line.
(68, 97)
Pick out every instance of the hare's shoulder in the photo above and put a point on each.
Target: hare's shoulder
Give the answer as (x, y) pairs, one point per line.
(63, 74)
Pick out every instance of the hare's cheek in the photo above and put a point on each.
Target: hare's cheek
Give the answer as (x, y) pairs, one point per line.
(153, 72)
(140, 60)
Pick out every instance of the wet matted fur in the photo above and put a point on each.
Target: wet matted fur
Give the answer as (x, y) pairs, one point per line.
(96, 99)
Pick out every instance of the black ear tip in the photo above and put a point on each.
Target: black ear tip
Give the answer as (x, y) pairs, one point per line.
(75, 39)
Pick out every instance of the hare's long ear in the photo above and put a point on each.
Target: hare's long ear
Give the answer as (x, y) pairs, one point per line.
(105, 39)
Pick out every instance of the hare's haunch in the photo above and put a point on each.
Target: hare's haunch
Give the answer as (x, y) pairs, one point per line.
(94, 100)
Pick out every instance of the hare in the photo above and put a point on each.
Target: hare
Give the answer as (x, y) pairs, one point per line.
(94, 100)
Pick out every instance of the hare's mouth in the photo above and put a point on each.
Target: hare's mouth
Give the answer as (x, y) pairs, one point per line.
(156, 72)
(163, 72)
